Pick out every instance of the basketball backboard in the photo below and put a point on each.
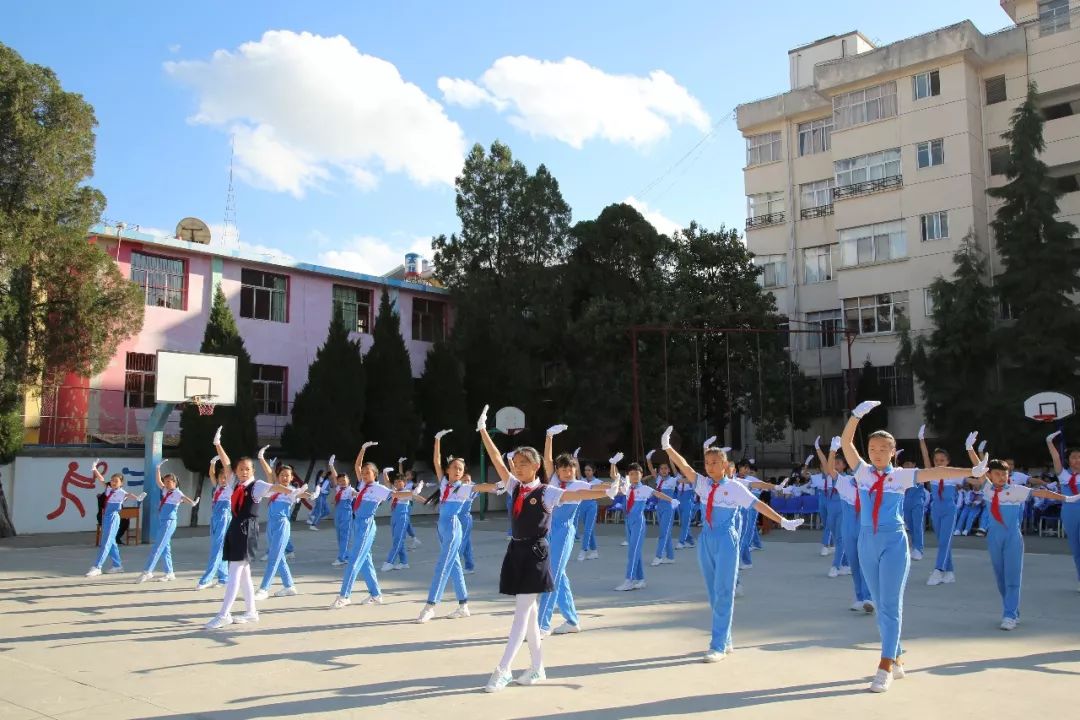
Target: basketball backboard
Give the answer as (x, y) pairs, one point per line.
(183, 375)
(1049, 406)
(510, 420)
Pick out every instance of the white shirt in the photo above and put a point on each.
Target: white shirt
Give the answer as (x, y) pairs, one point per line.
(728, 494)
(173, 497)
(550, 497)
(261, 488)
(116, 495)
(897, 481)
(375, 492)
(347, 493)
(571, 486)
(667, 484)
(459, 493)
(1018, 478)
(641, 492)
(1009, 495)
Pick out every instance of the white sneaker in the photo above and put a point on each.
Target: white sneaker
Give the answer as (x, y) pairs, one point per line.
(468, 572)
(287, 592)
(203, 586)
(416, 543)
(337, 563)
(261, 594)
(567, 628)
(949, 578)
(498, 681)
(846, 570)
(624, 543)
(290, 556)
(387, 567)
(340, 602)
(882, 681)
(739, 592)
(916, 555)
(144, 577)
(114, 570)
(667, 561)
(264, 557)
(833, 572)
(249, 617)
(936, 578)
(167, 577)
(898, 672)
(655, 562)
(372, 600)
(401, 566)
(857, 606)
(545, 632)
(93, 572)
(824, 550)
(595, 555)
(746, 566)
(581, 556)
(312, 527)
(868, 607)
(638, 585)
(461, 612)
(714, 656)
(429, 612)
(219, 622)
(531, 677)
(626, 585)
(1008, 624)
(679, 545)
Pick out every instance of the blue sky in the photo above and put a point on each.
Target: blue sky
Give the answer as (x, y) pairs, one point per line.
(350, 117)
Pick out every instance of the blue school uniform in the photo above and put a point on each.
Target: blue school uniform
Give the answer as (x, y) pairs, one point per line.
(220, 517)
(110, 525)
(665, 544)
(368, 498)
(343, 520)
(448, 566)
(279, 534)
(1005, 543)
(943, 518)
(563, 530)
(466, 519)
(167, 507)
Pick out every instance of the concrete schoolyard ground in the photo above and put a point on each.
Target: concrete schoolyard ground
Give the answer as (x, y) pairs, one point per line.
(72, 647)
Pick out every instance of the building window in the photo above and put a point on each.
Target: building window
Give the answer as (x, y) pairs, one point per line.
(875, 314)
(761, 149)
(833, 395)
(1061, 110)
(930, 153)
(263, 295)
(428, 320)
(875, 166)
(898, 384)
(815, 136)
(999, 160)
(140, 380)
(873, 243)
(995, 90)
(818, 263)
(863, 106)
(816, 194)
(161, 279)
(828, 325)
(1053, 16)
(354, 305)
(1066, 184)
(924, 85)
(765, 208)
(934, 226)
(268, 389)
(928, 302)
(773, 270)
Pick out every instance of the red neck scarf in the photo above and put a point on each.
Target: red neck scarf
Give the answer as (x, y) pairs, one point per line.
(995, 506)
(878, 491)
(630, 499)
(360, 496)
(337, 496)
(237, 499)
(709, 505)
(941, 489)
(219, 492)
(519, 499)
(164, 497)
(1072, 484)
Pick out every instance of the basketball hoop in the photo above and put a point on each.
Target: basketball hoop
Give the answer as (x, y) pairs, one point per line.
(205, 403)
(1044, 418)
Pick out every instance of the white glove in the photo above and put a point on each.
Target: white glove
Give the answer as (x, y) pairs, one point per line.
(1072, 498)
(93, 467)
(725, 450)
(898, 454)
(332, 459)
(614, 460)
(982, 446)
(969, 443)
(387, 470)
(809, 459)
(162, 464)
(922, 432)
(665, 439)
(510, 458)
(142, 496)
(401, 460)
(817, 442)
(217, 436)
(576, 453)
(864, 407)
(835, 444)
(648, 455)
(791, 524)
(1051, 436)
(980, 469)
(368, 444)
(613, 489)
(318, 489)
(481, 424)
(196, 503)
(272, 462)
(262, 452)
(215, 460)
(674, 504)
(709, 442)
(442, 433)
(556, 429)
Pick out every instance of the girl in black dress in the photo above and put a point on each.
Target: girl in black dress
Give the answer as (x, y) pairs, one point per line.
(242, 536)
(526, 568)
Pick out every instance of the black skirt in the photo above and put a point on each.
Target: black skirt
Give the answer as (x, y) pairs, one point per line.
(241, 540)
(526, 568)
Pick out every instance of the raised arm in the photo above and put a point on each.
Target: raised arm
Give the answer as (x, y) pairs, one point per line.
(267, 470)
(360, 456)
(922, 448)
(825, 462)
(969, 447)
(226, 463)
(952, 473)
(157, 474)
(648, 462)
(101, 478)
(549, 461)
(1055, 456)
(494, 454)
(833, 447)
(847, 439)
(673, 455)
(437, 460)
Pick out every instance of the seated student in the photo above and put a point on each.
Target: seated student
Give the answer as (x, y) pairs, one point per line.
(973, 507)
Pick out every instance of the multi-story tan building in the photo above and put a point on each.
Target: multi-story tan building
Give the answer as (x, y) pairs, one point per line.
(864, 176)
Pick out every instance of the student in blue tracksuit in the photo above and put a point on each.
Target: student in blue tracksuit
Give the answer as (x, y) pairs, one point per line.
(836, 467)
(398, 559)
(718, 544)
(686, 495)
(943, 495)
(1069, 486)
(171, 498)
(831, 506)
(668, 485)
(344, 493)
(466, 518)
(217, 570)
(817, 483)
(587, 512)
(412, 485)
(883, 545)
(321, 508)
(637, 495)
(452, 493)
(279, 529)
(748, 516)
(915, 506)
(115, 495)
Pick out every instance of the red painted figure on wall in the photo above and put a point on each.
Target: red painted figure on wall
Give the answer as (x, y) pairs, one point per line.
(73, 478)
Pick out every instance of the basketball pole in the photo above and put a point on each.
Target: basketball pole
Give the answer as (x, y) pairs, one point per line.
(153, 436)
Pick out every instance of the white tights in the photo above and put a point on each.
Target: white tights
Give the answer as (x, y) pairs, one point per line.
(526, 627)
(239, 572)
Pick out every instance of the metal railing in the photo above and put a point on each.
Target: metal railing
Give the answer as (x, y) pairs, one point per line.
(816, 211)
(763, 220)
(868, 187)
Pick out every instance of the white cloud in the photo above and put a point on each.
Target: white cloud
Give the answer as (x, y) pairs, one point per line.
(372, 255)
(661, 222)
(572, 101)
(305, 109)
(237, 245)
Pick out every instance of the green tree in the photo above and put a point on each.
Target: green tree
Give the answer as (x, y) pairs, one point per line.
(1038, 350)
(328, 412)
(869, 388)
(442, 403)
(390, 415)
(954, 363)
(239, 434)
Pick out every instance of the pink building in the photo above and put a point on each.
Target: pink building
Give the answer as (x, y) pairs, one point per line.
(283, 310)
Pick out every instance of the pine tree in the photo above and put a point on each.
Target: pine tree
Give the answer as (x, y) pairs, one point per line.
(328, 412)
(238, 421)
(954, 364)
(1041, 261)
(390, 416)
(442, 402)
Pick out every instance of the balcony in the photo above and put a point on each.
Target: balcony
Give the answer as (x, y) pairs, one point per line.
(816, 212)
(765, 220)
(869, 187)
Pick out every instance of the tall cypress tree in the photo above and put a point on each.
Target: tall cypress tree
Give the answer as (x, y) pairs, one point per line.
(328, 412)
(390, 415)
(1039, 349)
(442, 401)
(221, 337)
